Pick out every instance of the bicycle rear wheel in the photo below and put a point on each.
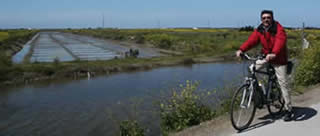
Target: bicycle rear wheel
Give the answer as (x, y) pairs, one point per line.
(242, 108)
(276, 104)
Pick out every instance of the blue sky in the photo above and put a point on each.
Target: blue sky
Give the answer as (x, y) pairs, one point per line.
(153, 13)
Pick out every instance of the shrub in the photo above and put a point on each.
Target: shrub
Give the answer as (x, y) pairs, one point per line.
(3, 35)
(130, 128)
(40, 68)
(119, 37)
(231, 46)
(163, 41)
(140, 39)
(5, 66)
(183, 109)
(308, 71)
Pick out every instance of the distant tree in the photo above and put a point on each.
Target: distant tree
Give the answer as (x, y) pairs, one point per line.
(246, 28)
(312, 28)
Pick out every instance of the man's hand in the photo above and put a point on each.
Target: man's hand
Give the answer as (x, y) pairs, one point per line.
(270, 56)
(238, 53)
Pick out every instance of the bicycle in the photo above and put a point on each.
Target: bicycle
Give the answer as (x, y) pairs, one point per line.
(253, 94)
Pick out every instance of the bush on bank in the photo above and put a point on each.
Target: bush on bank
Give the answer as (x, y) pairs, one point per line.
(5, 66)
(163, 41)
(131, 128)
(11, 41)
(183, 109)
(308, 71)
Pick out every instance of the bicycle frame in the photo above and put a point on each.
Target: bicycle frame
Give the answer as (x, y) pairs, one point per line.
(252, 81)
(251, 95)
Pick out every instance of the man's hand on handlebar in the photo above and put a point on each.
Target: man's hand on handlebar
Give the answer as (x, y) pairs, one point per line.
(238, 53)
(270, 56)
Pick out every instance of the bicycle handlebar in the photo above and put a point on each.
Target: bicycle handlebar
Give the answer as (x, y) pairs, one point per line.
(247, 57)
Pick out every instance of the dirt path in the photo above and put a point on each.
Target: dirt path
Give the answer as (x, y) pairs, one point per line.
(306, 121)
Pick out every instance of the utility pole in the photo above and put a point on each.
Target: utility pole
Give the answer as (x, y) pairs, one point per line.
(111, 25)
(103, 20)
(305, 43)
(158, 23)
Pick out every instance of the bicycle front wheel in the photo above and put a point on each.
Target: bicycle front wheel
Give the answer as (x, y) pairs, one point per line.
(242, 108)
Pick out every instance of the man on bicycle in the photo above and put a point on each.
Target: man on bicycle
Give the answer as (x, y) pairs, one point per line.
(273, 39)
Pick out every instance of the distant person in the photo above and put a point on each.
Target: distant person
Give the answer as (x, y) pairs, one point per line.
(271, 35)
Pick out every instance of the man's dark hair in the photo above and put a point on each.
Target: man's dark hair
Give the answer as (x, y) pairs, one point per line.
(267, 12)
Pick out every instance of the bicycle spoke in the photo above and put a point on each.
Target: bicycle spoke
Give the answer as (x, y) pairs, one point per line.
(242, 109)
(239, 118)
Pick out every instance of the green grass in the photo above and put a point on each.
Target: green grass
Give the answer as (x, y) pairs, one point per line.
(11, 41)
(307, 72)
(3, 36)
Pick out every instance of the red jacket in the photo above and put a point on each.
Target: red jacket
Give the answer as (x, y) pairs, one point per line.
(273, 41)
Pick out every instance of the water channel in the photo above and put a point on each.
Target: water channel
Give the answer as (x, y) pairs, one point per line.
(96, 106)
(58, 46)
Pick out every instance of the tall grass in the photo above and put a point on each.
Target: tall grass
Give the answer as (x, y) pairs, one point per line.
(3, 36)
(308, 71)
(11, 41)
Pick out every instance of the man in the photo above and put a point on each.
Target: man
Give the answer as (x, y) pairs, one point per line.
(273, 39)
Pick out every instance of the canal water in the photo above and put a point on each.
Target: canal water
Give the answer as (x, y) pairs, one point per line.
(97, 106)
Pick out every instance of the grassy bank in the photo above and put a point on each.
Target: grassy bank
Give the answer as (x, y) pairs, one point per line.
(28, 72)
(307, 72)
(11, 41)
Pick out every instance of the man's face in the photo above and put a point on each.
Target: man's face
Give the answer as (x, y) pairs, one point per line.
(266, 19)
